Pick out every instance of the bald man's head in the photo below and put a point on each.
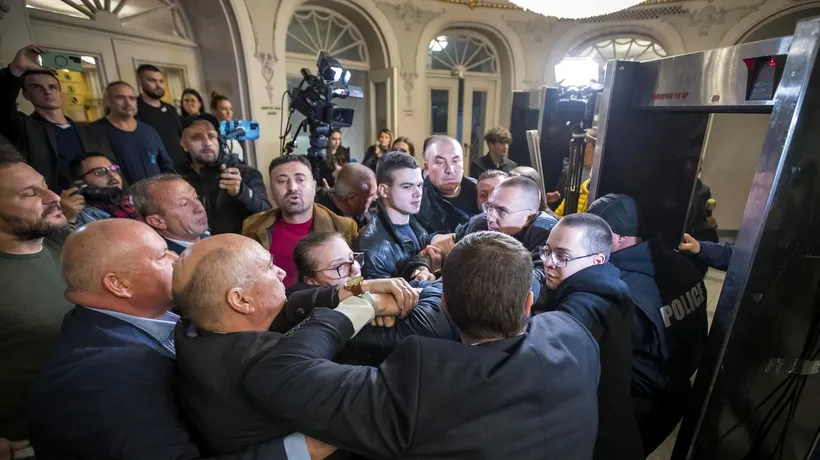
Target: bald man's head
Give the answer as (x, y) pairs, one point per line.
(444, 162)
(118, 264)
(228, 283)
(355, 189)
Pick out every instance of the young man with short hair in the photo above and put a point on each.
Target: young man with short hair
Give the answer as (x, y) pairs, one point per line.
(590, 289)
(163, 117)
(498, 141)
(293, 189)
(394, 235)
(48, 140)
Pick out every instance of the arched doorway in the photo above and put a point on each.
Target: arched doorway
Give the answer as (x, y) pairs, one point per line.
(348, 36)
(463, 87)
(625, 47)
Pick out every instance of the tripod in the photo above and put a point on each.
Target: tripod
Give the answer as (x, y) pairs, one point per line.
(575, 168)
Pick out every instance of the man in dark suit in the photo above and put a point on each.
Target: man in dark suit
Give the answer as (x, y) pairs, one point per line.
(170, 205)
(589, 288)
(106, 390)
(513, 389)
(230, 291)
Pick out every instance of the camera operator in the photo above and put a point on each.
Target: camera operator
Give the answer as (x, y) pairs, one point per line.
(97, 193)
(230, 191)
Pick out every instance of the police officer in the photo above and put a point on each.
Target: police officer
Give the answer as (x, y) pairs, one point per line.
(670, 324)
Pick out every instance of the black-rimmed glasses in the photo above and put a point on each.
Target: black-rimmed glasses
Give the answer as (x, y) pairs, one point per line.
(345, 268)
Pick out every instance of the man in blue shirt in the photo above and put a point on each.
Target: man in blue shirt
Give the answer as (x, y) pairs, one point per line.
(137, 146)
(110, 373)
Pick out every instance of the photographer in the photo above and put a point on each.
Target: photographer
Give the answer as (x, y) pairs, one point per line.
(230, 191)
(97, 193)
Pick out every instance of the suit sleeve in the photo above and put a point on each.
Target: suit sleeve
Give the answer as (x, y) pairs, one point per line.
(252, 194)
(301, 303)
(11, 120)
(715, 255)
(427, 320)
(361, 409)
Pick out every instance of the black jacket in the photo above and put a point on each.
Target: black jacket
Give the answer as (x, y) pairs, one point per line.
(534, 237)
(485, 163)
(600, 301)
(226, 213)
(436, 398)
(106, 392)
(371, 158)
(386, 251)
(668, 333)
(35, 137)
(437, 215)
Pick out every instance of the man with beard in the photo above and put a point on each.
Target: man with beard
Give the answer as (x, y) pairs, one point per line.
(449, 197)
(230, 193)
(99, 194)
(137, 146)
(296, 215)
(32, 229)
(160, 115)
(47, 138)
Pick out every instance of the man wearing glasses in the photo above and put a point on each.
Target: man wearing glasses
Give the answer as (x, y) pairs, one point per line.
(589, 288)
(97, 193)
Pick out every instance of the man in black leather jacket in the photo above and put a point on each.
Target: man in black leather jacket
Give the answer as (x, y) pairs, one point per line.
(394, 236)
(450, 199)
(230, 193)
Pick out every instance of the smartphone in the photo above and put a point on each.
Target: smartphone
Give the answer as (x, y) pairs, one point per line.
(61, 61)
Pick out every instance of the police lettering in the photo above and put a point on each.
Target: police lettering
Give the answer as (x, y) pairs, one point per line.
(683, 305)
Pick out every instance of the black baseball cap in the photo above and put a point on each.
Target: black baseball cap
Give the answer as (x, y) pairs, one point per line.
(620, 212)
(188, 121)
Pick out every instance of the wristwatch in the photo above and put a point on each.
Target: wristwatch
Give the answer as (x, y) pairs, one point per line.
(354, 285)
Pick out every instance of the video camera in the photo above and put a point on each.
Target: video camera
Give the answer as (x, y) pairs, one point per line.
(313, 99)
(577, 104)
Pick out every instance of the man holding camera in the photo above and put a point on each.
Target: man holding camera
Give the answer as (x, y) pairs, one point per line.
(229, 190)
(97, 193)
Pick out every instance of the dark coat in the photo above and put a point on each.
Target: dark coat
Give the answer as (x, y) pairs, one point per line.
(437, 215)
(371, 158)
(600, 301)
(386, 251)
(534, 237)
(436, 398)
(324, 198)
(485, 163)
(34, 137)
(226, 213)
(106, 393)
(715, 255)
(668, 333)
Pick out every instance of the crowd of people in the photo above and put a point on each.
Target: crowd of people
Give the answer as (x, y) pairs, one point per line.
(160, 302)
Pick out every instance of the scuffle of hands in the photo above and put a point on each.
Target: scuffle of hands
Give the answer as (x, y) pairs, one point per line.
(7, 448)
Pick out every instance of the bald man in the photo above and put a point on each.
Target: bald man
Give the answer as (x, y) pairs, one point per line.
(352, 194)
(106, 390)
(450, 199)
(230, 291)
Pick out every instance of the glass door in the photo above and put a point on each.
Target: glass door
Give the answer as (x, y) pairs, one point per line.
(478, 115)
(443, 106)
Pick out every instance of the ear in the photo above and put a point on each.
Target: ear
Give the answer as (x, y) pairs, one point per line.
(528, 304)
(383, 190)
(156, 221)
(239, 301)
(351, 199)
(599, 259)
(117, 286)
(310, 281)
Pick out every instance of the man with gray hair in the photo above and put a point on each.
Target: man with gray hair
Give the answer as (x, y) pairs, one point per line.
(450, 199)
(169, 204)
(352, 194)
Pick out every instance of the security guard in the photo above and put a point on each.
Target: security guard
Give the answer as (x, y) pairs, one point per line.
(670, 326)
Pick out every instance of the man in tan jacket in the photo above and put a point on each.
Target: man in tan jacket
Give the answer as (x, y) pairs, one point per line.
(295, 216)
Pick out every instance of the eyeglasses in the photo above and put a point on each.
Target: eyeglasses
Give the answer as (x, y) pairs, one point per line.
(103, 171)
(499, 212)
(559, 260)
(345, 268)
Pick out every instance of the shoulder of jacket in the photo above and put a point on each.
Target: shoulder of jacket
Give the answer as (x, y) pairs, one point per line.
(254, 223)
